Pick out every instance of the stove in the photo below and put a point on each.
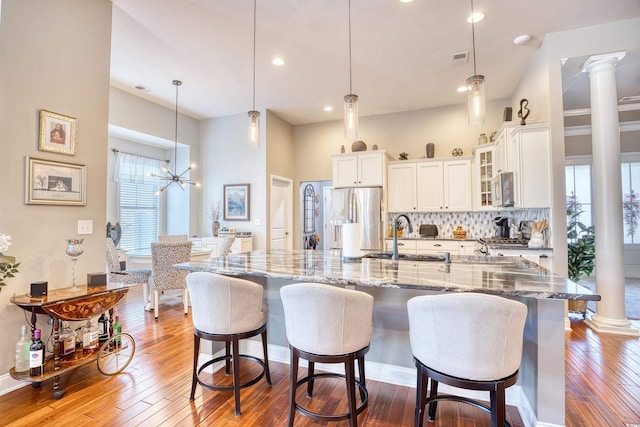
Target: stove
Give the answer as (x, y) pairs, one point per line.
(483, 242)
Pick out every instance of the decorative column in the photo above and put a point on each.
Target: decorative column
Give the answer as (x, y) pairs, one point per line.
(607, 197)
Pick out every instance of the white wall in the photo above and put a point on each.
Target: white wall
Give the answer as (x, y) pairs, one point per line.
(63, 68)
(227, 159)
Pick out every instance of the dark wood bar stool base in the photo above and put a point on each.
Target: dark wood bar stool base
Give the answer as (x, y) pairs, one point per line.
(496, 389)
(349, 376)
(232, 357)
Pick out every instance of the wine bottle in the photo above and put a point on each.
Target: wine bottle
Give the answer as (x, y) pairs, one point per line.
(67, 342)
(22, 351)
(89, 338)
(103, 328)
(117, 330)
(36, 355)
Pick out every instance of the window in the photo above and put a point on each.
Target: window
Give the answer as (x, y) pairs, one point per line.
(578, 190)
(139, 205)
(631, 201)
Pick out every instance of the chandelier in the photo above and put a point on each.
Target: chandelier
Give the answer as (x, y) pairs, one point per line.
(172, 177)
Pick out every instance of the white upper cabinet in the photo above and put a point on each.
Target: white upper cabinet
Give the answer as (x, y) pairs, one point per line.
(530, 148)
(430, 186)
(401, 187)
(359, 170)
(484, 172)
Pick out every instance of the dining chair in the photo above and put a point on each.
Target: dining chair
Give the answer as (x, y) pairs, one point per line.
(128, 277)
(163, 276)
(166, 238)
(225, 247)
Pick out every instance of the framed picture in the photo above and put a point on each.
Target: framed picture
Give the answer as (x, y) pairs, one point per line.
(57, 133)
(55, 183)
(236, 202)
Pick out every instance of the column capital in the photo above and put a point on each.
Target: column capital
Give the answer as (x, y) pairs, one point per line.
(606, 58)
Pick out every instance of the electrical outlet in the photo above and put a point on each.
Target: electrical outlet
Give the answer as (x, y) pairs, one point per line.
(85, 226)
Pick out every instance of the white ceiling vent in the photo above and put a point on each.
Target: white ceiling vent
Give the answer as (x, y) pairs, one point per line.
(627, 99)
(460, 58)
(142, 88)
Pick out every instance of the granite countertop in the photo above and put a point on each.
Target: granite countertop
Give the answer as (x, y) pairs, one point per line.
(506, 276)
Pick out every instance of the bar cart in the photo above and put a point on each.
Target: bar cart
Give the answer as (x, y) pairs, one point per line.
(77, 304)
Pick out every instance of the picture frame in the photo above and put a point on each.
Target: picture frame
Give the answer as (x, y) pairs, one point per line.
(55, 183)
(57, 133)
(236, 202)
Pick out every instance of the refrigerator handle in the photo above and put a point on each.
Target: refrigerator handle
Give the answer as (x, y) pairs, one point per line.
(353, 207)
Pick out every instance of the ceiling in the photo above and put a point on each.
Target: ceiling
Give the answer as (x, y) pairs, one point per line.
(401, 52)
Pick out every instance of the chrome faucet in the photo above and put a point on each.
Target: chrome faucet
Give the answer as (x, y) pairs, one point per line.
(446, 258)
(394, 256)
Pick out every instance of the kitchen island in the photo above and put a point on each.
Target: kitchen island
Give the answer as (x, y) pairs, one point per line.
(539, 394)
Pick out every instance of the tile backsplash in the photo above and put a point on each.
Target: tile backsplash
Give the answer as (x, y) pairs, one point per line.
(477, 224)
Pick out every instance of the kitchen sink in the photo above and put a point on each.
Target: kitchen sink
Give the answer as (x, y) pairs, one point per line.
(408, 257)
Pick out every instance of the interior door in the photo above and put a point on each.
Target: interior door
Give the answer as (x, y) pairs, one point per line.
(281, 224)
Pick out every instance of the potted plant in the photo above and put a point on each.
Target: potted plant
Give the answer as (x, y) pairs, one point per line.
(581, 249)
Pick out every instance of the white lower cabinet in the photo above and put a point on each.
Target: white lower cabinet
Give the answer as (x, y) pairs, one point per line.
(428, 246)
(240, 244)
(542, 257)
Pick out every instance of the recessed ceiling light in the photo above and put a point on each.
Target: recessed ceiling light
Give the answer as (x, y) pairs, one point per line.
(406, 1)
(522, 39)
(476, 17)
(463, 89)
(328, 108)
(277, 61)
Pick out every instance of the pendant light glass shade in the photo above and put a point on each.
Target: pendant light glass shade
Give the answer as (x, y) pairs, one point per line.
(254, 128)
(351, 117)
(475, 100)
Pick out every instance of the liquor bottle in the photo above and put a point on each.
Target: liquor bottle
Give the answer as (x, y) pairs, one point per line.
(117, 329)
(36, 355)
(103, 328)
(22, 351)
(67, 342)
(89, 338)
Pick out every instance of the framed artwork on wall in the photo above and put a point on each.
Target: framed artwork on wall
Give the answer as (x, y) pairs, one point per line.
(55, 183)
(236, 202)
(57, 133)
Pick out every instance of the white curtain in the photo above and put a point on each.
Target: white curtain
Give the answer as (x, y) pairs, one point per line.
(134, 168)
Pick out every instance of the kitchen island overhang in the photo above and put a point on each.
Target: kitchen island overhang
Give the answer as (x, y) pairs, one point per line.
(540, 391)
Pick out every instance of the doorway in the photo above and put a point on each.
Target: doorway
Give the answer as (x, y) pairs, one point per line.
(314, 232)
(281, 213)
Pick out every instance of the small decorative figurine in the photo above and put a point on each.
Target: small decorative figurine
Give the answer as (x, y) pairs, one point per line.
(524, 111)
(403, 156)
(457, 152)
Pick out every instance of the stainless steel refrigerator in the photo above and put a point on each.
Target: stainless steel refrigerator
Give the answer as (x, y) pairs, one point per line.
(357, 205)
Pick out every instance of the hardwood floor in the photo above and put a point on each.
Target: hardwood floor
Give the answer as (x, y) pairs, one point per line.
(603, 387)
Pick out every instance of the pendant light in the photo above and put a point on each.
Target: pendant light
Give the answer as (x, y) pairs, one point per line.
(254, 116)
(175, 177)
(475, 85)
(350, 100)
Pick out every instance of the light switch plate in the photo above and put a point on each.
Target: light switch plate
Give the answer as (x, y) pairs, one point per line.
(85, 226)
(256, 221)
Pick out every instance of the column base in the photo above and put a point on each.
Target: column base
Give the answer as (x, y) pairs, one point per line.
(611, 326)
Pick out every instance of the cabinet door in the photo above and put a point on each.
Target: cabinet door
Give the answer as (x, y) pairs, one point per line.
(457, 185)
(467, 247)
(404, 246)
(430, 189)
(533, 182)
(371, 170)
(401, 187)
(483, 196)
(345, 171)
(434, 247)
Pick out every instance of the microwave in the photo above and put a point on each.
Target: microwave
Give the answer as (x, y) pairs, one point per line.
(503, 189)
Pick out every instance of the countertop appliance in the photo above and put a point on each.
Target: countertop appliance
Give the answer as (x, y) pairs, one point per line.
(428, 230)
(502, 226)
(362, 205)
(503, 191)
(525, 229)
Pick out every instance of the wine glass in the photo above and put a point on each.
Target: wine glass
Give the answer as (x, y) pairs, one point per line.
(74, 250)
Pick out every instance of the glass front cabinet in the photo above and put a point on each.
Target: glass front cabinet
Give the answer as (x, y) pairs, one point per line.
(485, 165)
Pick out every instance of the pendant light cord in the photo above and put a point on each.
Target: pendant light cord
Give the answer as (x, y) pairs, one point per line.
(350, 87)
(177, 83)
(254, 54)
(473, 39)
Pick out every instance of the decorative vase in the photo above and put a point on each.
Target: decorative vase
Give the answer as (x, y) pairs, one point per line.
(482, 139)
(215, 228)
(74, 250)
(358, 146)
(430, 150)
(342, 149)
(536, 241)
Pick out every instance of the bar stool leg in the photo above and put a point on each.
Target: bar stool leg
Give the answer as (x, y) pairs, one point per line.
(498, 406)
(361, 376)
(293, 379)
(310, 372)
(421, 397)
(196, 354)
(267, 374)
(236, 376)
(227, 362)
(433, 405)
(349, 366)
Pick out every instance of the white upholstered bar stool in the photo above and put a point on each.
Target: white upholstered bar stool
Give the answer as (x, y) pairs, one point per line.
(227, 309)
(327, 324)
(465, 340)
